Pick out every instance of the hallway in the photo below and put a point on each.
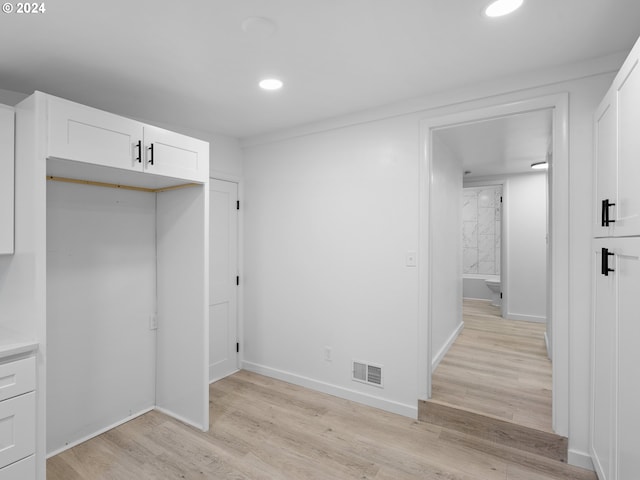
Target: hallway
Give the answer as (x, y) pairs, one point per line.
(497, 367)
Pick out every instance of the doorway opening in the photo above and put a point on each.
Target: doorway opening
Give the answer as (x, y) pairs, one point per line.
(440, 186)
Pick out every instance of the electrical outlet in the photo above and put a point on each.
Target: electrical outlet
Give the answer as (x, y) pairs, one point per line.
(327, 354)
(153, 321)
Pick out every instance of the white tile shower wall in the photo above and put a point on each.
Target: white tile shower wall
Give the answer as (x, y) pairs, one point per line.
(481, 230)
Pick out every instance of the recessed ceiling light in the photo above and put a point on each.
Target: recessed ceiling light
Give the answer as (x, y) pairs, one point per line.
(502, 7)
(540, 166)
(271, 84)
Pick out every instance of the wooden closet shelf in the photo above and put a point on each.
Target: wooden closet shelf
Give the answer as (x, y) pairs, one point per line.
(123, 187)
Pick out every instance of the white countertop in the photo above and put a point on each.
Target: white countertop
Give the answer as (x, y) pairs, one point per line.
(12, 344)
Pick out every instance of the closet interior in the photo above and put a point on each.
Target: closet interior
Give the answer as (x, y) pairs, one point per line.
(120, 269)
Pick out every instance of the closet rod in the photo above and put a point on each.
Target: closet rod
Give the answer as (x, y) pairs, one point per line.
(122, 187)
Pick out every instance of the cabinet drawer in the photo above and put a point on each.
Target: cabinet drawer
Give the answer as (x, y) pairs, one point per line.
(17, 377)
(17, 428)
(22, 470)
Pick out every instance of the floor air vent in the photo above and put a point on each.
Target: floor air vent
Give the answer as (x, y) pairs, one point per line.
(367, 373)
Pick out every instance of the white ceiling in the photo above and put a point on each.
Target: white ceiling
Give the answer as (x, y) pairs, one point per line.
(190, 63)
(503, 145)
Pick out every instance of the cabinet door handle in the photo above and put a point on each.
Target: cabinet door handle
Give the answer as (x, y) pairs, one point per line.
(139, 147)
(606, 205)
(151, 154)
(605, 262)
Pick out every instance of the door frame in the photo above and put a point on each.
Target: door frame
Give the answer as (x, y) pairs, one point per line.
(214, 175)
(558, 241)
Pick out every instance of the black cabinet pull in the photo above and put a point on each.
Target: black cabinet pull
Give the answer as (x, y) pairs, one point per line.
(151, 157)
(605, 262)
(139, 147)
(606, 205)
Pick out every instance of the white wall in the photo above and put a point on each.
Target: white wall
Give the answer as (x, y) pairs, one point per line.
(304, 184)
(446, 248)
(525, 229)
(329, 219)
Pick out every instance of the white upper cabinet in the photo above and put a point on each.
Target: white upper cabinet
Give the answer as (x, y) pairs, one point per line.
(174, 155)
(606, 167)
(91, 136)
(7, 125)
(617, 167)
(85, 134)
(628, 204)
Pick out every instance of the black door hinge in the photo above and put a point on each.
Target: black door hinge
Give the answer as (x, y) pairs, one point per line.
(238, 205)
(237, 347)
(237, 280)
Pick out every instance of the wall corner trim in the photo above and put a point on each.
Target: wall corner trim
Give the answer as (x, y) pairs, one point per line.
(447, 345)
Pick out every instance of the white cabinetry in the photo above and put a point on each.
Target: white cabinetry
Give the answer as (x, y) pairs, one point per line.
(63, 256)
(606, 164)
(615, 359)
(84, 134)
(7, 122)
(618, 154)
(615, 383)
(17, 418)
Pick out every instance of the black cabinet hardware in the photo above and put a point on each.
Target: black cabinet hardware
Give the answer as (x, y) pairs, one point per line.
(139, 147)
(151, 154)
(606, 205)
(605, 262)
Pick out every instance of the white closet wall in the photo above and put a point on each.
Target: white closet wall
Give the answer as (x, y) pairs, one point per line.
(182, 388)
(101, 279)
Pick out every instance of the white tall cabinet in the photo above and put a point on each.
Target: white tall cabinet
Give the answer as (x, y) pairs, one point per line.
(615, 395)
(7, 122)
(110, 277)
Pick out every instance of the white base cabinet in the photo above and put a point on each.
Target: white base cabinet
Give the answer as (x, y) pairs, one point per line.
(615, 424)
(17, 416)
(23, 470)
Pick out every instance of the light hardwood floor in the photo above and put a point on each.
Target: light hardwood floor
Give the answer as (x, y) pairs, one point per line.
(497, 367)
(263, 428)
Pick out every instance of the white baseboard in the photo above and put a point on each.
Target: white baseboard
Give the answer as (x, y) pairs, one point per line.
(215, 379)
(180, 418)
(99, 432)
(445, 348)
(335, 390)
(526, 318)
(580, 459)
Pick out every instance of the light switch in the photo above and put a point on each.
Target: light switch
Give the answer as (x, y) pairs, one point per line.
(411, 259)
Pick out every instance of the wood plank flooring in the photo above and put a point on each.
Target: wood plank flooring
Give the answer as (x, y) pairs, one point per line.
(497, 367)
(262, 428)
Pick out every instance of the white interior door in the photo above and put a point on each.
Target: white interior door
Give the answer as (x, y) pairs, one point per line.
(223, 331)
